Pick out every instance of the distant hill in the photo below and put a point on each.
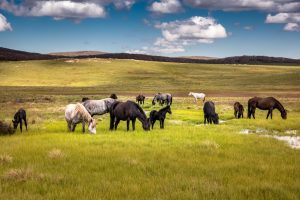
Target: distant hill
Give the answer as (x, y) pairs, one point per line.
(77, 53)
(14, 55)
(199, 57)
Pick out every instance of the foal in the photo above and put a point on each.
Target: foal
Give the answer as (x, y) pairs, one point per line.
(19, 116)
(159, 115)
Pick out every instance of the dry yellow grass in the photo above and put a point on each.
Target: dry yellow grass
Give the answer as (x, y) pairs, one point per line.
(55, 154)
(4, 159)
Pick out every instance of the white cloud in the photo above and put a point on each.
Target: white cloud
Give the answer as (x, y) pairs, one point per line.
(166, 6)
(4, 25)
(195, 28)
(236, 5)
(248, 28)
(291, 20)
(60, 9)
(67, 9)
(283, 18)
(294, 27)
(177, 35)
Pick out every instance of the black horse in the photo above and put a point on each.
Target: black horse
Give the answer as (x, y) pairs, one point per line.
(209, 113)
(268, 103)
(159, 115)
(238, 110)
(113, 96)
(19, 116)
(140, 99)
(127, 111)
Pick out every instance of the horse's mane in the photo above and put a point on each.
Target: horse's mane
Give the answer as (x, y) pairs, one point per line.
(82, 111)
(281, 108)
(163, 109)
(140, 109)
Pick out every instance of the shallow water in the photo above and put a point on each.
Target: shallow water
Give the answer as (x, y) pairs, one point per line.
(292, 141)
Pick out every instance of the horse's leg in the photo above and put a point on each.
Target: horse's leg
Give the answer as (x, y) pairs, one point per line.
(235, 113)
(204, 119)
(128, 121)
(73, 126)
(83, 126)
(21, 125)
(163, 123)
(25, 122)
(160, 124)
(271, 113)
(268, 114)
(112, 121)
(152, 123)
(253, 113)
(69, 125)
(117, 123)
(133, 124)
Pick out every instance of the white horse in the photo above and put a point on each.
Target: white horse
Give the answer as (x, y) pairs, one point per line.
(197, 96)
(76, 113)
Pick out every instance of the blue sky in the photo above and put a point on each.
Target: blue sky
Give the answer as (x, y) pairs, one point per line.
(217, 28)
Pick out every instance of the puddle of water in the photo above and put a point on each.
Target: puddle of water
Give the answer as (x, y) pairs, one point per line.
(291, 132)
(292, 141)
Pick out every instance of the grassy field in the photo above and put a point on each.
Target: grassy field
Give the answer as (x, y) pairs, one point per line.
(186, 160)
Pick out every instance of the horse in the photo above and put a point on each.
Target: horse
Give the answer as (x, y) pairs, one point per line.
(140, 99)
(209, 113)
(238, 110)
(127, 111)
(18, 117)
(197, 96)
(76, 113)
(268, 103)
(159, 115)
(98, 107)
(113, 96)
(162, 98)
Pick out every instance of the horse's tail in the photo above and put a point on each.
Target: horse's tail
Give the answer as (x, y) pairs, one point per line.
(171, 99)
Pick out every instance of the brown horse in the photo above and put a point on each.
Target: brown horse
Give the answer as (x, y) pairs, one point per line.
(268, 103)
(238, 110)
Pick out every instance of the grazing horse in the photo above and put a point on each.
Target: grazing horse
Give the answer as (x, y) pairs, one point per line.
(127, 111)
(238, 110)
(197, 96)
(98, 107)
(76, 113)
(268, 103)
(162, 98)
(209, 113)
(19, 116)
(159, 115)
(140, 99)
(113, 96)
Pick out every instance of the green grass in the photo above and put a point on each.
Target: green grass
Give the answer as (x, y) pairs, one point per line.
(186, 160)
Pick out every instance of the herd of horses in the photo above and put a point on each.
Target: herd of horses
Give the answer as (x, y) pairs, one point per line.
(84, 111)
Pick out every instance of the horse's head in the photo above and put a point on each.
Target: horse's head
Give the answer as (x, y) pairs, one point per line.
(284, 114)
(215, 118)
(169, 109)
(92, 126)
(146, 124)
(15, 123)
(154, 99)
(190, 93)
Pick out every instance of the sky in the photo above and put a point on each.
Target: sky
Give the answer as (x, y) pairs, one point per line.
(216, 28)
